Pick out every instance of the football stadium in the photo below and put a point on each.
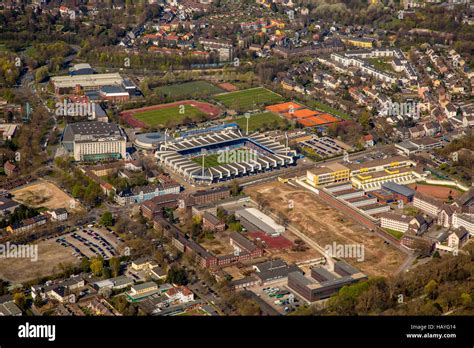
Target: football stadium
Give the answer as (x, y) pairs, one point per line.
(215, 155)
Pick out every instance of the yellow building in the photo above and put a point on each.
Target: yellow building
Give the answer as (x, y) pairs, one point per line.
(372, 174)
(361, 42)
(287, 86)
(330, 174)
(279, 24)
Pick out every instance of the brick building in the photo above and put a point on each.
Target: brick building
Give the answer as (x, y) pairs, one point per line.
(154, 206)
(212, 223)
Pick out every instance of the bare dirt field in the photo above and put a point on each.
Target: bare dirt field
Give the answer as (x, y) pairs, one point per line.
(50, 256)
(229, 87)
(290, 256)
(325, 226)
(45, 194)
(220, 245)
(438, 192)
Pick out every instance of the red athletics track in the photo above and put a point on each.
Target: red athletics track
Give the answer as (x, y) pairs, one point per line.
(210, 110)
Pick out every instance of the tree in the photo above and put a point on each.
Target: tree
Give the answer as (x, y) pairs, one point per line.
(234, 188)
(38, 302)
(114, 266)
(248, 307)
(3, 287)
(20, 300)
(177, 276)
(106, 219)
(41, 73)
(97, 266)
(466, 299)
(85, 265)
(431, 289)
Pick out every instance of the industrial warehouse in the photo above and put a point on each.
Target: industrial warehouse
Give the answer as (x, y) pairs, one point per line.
(196, 158)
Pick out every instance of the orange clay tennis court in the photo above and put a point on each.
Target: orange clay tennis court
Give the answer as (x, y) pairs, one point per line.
(317, 120)
(306, 122)
(283, 107)
(302, 113)
(304, 116)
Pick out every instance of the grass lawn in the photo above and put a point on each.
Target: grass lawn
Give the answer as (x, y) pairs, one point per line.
(411, 211)
(248, 99)
(187, 90)
(196, 311)
(394, 233)
(381, 64)
(209, 160)
(328, 109)
(170, 116)
(260, 121)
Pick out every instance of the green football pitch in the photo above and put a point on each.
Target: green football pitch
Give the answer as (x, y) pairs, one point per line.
(260, 122)
(209, 160)
(194, 89)
(248, 99)
(171, 116)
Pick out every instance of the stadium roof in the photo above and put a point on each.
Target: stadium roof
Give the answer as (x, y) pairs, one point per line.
(179, 153)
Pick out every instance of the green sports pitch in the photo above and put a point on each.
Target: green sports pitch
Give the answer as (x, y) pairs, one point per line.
(248, 99)
(209, 160)
(193, 89)
(171, 116)
(260, 122)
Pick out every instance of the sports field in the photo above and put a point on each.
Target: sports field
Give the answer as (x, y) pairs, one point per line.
(248, 99)
(172, 115)
(209, 160)
(260, 122)
(194, 89)
(436, 191)
(328, 109)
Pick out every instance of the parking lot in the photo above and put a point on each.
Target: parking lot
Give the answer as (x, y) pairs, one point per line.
(278, 296)
(91, 242)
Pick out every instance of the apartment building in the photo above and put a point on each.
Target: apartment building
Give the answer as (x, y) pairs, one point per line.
(427, 204)
(361, 42)
(211, 195)
(401, 223)
(464, 220)
(211, 223)
(139, 194)
(154, 206)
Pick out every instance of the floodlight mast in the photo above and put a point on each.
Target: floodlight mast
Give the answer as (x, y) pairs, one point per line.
(247, 116)
(203, 154)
